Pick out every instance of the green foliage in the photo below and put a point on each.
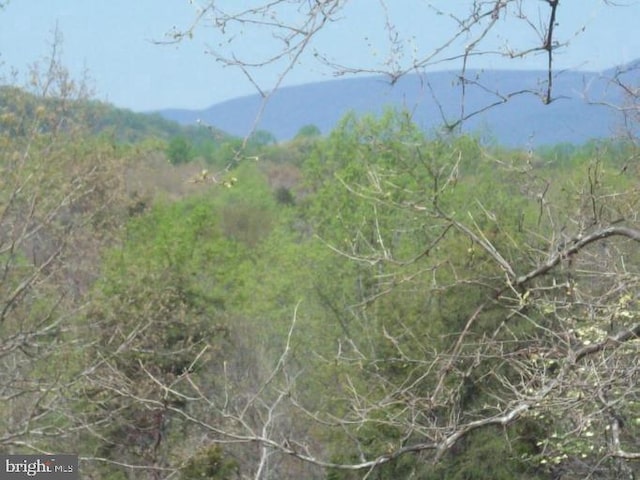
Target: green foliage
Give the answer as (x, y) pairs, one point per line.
(246, 211)
(284, 196)
(229, 153)
(123, 126)
(386, 198)
(179, 151)
(179, 244)
(492, 454)
(160, 311)
(210, 463)
(379, 240)
(308, 131)
(61, 203)
(261, 138)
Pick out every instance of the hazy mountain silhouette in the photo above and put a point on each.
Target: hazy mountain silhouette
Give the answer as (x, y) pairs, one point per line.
(434, 99)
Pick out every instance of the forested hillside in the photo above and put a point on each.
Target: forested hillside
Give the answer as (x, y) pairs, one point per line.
(372, 303)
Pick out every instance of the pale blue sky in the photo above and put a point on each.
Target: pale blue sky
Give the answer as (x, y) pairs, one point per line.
(112, 39)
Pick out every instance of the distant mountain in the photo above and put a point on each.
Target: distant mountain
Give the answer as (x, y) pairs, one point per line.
(523, 120)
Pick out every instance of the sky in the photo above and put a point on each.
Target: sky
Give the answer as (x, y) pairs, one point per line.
(115, 41)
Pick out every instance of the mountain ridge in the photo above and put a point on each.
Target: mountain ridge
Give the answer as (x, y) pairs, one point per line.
(511, 110)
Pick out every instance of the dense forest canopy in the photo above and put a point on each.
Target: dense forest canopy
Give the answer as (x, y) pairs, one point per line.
(374, 303)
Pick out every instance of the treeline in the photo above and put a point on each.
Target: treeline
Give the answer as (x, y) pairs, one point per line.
(374, 303)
